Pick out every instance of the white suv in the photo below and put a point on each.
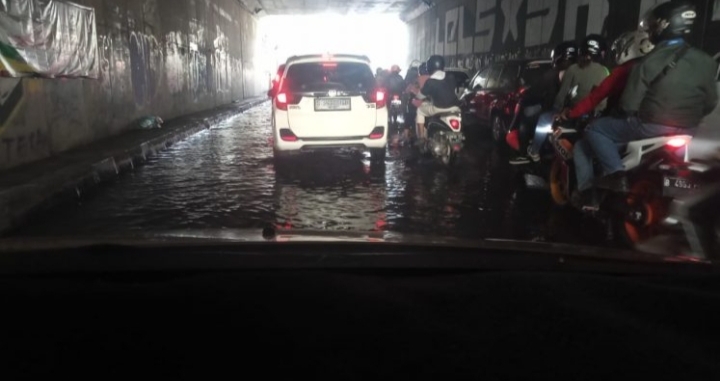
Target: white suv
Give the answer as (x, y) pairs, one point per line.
(326, 102)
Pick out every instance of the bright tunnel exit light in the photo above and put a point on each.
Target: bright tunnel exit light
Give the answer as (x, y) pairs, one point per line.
(382, 38)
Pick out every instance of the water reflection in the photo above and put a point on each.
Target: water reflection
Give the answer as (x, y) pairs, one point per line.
(330, 191)
(226, 178)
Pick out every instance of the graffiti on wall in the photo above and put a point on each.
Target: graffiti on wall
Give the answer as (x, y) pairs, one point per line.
(146, 62)
(19, 143)
(22, 145)
(198, 63)
(480, 31)
(11, 94)
(221, 59)
(175, 62)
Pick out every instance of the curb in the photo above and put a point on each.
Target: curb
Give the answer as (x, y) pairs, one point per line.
(19, 202)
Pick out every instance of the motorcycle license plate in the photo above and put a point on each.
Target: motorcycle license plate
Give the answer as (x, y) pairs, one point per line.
(559, 148)
(675, 186)
(396, 102)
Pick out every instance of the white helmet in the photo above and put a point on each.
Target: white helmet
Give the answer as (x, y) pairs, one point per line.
(631, 45)
(415, 63)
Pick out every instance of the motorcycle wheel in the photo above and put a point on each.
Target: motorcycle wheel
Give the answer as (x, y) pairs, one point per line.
(650, 209)
(559, 182)
(450, 158)
(499, 129)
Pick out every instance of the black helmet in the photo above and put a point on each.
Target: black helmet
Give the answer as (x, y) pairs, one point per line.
(423, 70)
(594, 45)
(565, 51)
(435, 63)
(669, 20)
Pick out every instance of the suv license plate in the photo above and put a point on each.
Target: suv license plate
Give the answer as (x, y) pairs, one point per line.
(332, 104)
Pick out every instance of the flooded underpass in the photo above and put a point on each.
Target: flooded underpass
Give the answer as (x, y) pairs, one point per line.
(225, 178)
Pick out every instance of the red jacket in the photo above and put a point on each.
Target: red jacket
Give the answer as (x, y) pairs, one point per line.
(611, 87)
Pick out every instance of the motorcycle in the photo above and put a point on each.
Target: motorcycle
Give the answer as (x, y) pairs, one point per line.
(692, 222)
(633, 214)
(561, 177)
(445, 139)
(636, 213)
(395, 111)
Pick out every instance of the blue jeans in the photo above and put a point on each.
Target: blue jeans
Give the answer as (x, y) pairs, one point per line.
(602, 138)
(543, 129)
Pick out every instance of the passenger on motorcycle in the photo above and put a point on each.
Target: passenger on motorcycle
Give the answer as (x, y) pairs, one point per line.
(540, 97)
(412, 72)
(626, 51)
(668, 93)
(585, 74)
(439, 91)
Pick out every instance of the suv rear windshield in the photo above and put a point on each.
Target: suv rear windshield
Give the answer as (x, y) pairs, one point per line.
(533, 72)
(458, 77)
(323, 76)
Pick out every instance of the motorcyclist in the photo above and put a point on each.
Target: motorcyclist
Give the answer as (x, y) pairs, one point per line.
(417, 71)
(660, 98)
(380, 77)
(627, 50)
(439, 93)
(585, 74)
(540, 97)
(395, 85)
(394, 82)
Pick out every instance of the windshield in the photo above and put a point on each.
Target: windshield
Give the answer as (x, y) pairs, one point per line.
(457, 77)
(225, 118)
(314, 76)
(534, 72)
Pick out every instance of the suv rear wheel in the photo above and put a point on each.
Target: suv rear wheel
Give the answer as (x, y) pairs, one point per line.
(377, 155)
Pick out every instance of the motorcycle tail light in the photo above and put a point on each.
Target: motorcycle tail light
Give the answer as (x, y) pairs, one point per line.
(677, 142)
(396, 97)
(454, 124)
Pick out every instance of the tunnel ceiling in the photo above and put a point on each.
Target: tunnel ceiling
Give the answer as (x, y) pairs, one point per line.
(296, 7)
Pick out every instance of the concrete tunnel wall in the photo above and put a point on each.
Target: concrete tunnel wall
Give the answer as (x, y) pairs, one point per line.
(473, 33)
(157, 57)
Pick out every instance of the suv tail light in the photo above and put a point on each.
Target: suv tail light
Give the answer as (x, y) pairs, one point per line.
(287, 135)
(281, 101)
(377, 133)
(379, 97)
(455, 124)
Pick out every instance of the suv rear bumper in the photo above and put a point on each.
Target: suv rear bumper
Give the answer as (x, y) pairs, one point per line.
(326, 144)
